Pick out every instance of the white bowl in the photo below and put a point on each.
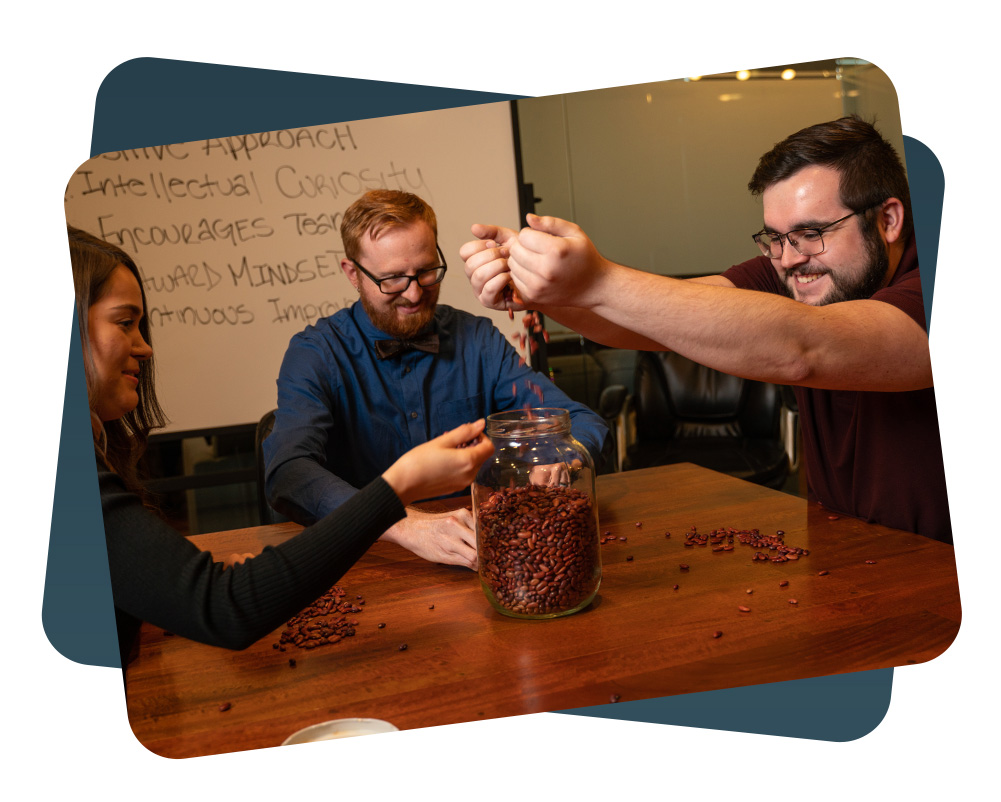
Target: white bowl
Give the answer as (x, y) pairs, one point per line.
(339, 728)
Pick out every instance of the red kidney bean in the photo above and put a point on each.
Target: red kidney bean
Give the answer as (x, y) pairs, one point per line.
(614, 698)
(870, 562)
(717, 634)
(822, 573)
(783, 583)
(793, 601)
(629, 559)
(833, 517)
(675, 587)
(224, 707)
(744, 609)
(683, 566)
(430, 606)
(403, 647)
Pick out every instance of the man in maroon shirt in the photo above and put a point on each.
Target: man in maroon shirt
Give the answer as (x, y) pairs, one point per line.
(837, 313)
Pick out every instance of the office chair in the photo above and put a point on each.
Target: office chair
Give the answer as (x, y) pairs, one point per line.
(686, 412)
(264, 427)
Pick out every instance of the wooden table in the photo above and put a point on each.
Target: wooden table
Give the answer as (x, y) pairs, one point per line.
(639, 639)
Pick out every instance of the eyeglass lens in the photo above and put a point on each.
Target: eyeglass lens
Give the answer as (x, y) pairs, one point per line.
(808, 242)
(425, 278)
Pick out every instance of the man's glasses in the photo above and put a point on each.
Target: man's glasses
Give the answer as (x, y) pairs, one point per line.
(807, 241)
(393, 285)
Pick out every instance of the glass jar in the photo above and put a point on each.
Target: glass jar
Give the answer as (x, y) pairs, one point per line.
(536, 516)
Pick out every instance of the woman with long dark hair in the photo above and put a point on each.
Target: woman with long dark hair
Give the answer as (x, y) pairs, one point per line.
(156, 574)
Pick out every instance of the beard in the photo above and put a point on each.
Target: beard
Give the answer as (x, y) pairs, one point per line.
(849, 288)
(389, 321)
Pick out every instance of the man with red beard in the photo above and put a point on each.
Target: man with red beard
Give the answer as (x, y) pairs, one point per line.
(396, 369)
(837, 311)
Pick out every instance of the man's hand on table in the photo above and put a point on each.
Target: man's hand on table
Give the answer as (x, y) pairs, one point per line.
(556, 475)
(442, 537)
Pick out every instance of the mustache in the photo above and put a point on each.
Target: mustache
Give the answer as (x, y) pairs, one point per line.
(405, 302)
(806, 270)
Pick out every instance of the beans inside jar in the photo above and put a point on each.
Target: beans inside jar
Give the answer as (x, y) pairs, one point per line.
(538, 549)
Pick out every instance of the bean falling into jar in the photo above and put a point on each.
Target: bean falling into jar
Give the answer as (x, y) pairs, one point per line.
(536, 516)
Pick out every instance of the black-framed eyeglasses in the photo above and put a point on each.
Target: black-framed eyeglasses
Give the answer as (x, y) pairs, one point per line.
(393, 285)
(806, 241)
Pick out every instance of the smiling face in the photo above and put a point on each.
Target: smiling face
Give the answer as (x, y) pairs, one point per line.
(852, 266)
(116, 346)
(398, 251)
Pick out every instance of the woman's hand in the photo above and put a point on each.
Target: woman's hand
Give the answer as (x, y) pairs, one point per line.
(236, 559)
(443, 465)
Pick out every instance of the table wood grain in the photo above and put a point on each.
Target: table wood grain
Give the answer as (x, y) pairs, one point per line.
(639, 639)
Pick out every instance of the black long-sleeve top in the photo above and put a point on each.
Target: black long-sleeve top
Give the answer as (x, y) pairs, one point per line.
(159, 576)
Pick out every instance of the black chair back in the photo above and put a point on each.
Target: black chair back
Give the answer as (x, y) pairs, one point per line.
(264, 427)
(686, 412)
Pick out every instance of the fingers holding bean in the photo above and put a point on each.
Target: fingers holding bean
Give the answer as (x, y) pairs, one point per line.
(443, 465)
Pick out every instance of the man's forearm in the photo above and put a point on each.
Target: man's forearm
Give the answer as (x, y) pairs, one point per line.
(861, 345)
(305, 491)
(594, 327)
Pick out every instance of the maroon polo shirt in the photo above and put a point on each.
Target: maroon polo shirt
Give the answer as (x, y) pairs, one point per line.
(875, 456)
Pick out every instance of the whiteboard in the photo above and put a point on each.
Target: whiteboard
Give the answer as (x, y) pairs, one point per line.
(238, 238)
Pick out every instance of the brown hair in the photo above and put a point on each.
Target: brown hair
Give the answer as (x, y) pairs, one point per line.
(119, 444)
(378, 209)
(870, 169)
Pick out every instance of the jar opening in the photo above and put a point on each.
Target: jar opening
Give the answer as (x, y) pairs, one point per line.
(530, 422)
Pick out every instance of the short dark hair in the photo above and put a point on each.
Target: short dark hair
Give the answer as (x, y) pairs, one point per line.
(870, 168)
(120, 443)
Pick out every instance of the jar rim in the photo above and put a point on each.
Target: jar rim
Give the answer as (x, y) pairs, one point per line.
(528, 422)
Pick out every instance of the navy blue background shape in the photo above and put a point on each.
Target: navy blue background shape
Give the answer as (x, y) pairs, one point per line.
(154, 101)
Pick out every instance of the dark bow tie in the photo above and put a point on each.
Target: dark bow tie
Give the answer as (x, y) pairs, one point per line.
(384, 349)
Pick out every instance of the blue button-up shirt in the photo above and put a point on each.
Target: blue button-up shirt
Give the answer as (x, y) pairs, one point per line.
(344, 415)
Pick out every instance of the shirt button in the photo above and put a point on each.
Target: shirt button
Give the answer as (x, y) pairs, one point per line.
(413, 414)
